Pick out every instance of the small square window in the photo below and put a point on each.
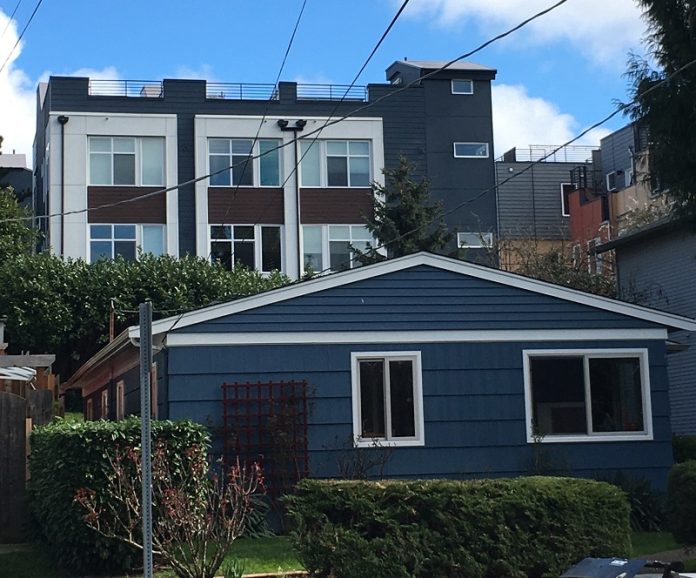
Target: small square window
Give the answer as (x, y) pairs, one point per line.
(471, 150)
(462, 86)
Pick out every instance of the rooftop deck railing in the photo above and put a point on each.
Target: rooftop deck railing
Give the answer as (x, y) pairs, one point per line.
(331, 92)
(240, 91)
(567, 154)
(131, 88)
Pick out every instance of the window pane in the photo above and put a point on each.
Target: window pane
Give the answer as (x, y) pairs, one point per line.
(100, 231)
(311, 241)
(218, 163)
(337, 171)
(124, 169)
(270, 248)
(99, 250)
(124, 145)
(269, 163)
(359, 172)
(361, 233)
(99, 169)
(153, 239)
(220, 232)
(221, 252)
(359, 147)
(241, 147)
(372, 399)
(124, 232)
(558, 395)
(617, 400)
(152, 162)
(471, 149)
(244, 232)
(242, 171)
(336, 147)
(244, 254)
(125, 249)
(310, 165)
(100, 144)
(339, 233)
(462, 87)
(403, 421)
(219, 145)
(339, 255)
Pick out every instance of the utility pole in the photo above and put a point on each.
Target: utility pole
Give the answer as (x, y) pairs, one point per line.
(145, 436)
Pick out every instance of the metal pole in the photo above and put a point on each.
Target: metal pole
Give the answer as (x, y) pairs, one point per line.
(145, 437)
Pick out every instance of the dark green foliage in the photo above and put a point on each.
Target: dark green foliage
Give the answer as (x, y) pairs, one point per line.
(681, 501)
(684, 448)
(517, 528)
(648, 512)
(66, 457)
(406, 220)
(668, 110)
(16, 236)
(62, 307)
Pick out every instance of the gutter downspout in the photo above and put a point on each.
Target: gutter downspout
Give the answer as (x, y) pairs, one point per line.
(63, 120)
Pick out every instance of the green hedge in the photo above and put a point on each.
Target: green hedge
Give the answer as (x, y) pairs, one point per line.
(486, 528)
(684, 448)
(681, 501)
(68, 456)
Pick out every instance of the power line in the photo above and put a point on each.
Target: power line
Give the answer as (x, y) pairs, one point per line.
(9, 20)
(19, 39)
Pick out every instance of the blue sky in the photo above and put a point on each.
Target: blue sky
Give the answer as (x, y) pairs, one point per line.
(554, 78)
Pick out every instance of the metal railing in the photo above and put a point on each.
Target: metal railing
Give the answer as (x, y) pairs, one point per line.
(567, 154)
(130, 88)
(331, 92)
(240, 91)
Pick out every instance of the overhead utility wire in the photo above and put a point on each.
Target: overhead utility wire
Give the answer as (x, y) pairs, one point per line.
(292, 141)
(19, 39)
(9, 20)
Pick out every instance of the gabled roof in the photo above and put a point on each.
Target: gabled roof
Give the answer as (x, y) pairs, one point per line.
(164, 326)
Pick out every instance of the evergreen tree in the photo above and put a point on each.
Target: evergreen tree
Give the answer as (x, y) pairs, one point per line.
(16, 235)
(405, 219)
(669, 110)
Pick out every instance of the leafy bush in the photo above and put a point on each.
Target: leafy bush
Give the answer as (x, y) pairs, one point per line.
(647, 507)
(681, 501)
(684, 448)
(66, 457)
(474, 529)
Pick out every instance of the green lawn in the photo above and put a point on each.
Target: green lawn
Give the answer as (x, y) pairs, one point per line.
(645, 543)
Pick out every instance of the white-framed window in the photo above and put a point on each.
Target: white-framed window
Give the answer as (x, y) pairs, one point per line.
(120, 399)
(474, 240)
(108, 241)
(566, 190)
(241, 162)
(587, 395)
(387, 395)
(335, 163)
(127, 161)
(105, 404)
(471, 150)
(328, 247)
(253, 246)
(462, 86)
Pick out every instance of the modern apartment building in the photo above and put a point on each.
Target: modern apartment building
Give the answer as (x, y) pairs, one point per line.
(125, 166)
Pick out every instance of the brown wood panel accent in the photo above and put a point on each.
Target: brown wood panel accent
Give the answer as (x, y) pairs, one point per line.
(245, 205)
(149, 210)
(333, 205)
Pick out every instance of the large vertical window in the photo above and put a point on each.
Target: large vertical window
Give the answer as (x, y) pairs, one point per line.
(387, 398)
(587, 395)
(127, 161)
(251, 246)
(111, 241)
(241, 162)
(329, 247)
(335, 163)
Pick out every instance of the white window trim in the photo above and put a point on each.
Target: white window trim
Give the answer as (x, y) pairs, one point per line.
(258, 249)
(120, 399)
(326, 245)
(138, 154)
(456, 156)
(255, 161)
(641, 354)
(565, 210)
(138, 236)
(104, 409)
(323, 162)
(485, 240)
(419, 438)
(460, 80)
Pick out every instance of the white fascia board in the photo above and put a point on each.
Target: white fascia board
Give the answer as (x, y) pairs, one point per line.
(417, 259)
(410, 337)
(112, 114)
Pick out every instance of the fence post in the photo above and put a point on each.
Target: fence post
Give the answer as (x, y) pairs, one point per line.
(12, 467)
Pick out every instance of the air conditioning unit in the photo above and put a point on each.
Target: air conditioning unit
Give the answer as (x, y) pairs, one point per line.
(613, 180)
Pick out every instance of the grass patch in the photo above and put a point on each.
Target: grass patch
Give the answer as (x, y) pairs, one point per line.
(645, 543)
(33, 563)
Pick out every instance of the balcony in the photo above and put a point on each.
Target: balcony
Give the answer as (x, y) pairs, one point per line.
(130, 88)
(240, 91)
(343, 92)
(566, 154)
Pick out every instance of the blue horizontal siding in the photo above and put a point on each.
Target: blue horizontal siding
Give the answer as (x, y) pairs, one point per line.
(473, 398)
(420, 298)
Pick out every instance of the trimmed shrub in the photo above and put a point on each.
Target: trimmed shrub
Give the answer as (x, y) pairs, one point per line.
(66, 457)
(681, 501)
(684, 448)
(648, 510)
(517, 528)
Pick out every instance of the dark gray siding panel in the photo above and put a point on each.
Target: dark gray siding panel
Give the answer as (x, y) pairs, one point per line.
(473, 407)
(661, 272)
(529, 205)
(615, 152)
(421, 298)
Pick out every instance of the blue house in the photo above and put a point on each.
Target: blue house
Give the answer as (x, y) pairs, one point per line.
(444, 368)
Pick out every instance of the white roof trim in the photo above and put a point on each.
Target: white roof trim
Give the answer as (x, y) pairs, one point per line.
(417, 259)
(17, 373)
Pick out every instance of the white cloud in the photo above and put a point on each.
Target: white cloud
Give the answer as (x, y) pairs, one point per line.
(602, 30)
(205, 72)
(520, 120)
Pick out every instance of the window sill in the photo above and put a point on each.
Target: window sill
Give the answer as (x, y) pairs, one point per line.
(619, 437)
(381, 443)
